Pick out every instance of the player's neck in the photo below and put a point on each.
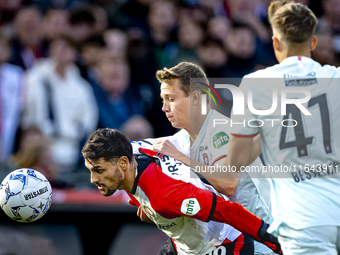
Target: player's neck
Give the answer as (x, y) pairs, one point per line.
(196, 123)
(297, 51)
(130, 176)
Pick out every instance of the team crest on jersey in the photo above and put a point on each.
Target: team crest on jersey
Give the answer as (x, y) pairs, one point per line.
(205, 159)
(190, 206)
(220, 139)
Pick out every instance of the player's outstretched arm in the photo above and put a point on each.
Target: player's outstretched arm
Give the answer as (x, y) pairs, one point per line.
(172, 198)
(245, 221)
(226, 186)
(240, 151)
(207, 206)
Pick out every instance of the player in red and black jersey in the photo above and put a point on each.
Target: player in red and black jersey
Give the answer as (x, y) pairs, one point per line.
(180, 206)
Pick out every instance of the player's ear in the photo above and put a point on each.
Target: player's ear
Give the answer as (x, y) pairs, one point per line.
(196, 98)
(123, 163)
(314, 43)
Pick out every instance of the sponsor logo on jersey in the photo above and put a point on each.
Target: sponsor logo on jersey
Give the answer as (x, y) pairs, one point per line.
(203, 148)
(190, 206)
(164, 227)
(220, 139)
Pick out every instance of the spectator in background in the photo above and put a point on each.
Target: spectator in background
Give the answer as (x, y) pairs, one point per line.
(324, 52)
(190, 35)
(101, 19)
(331, 15)
(244, 12)
(116, 101)
(26, 45)
(92, 51)
(10, 100)
(248, 13)
(194, 10)
(9, 9)
(35, 152)
(44, 5)
(60, 103)
(143, 66)
(116, 42)
(131, 13)
(137, 128)
(83, 25)
(213, 58)
(162, 20)
(241, 47)
(213, 7)
(331, 18)
(218, 27)
(54, 23)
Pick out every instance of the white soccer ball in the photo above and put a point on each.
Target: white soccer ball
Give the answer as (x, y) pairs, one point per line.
(25, 195)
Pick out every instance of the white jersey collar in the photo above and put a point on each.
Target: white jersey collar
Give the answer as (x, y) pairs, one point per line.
(294, 59)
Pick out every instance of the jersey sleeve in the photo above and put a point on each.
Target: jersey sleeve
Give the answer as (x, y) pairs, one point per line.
(134, 200)
(172, 198)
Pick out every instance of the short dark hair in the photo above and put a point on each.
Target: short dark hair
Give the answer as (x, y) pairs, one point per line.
(67, 39)
(83, 15)
(95, 41)
(109, 144)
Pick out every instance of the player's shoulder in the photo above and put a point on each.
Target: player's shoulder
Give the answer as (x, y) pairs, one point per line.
(268, 72)
(329, 71)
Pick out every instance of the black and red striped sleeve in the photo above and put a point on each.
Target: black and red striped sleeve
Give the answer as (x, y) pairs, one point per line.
(173, 198)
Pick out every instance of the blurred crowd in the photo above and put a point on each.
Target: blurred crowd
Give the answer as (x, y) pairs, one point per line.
(68, 67)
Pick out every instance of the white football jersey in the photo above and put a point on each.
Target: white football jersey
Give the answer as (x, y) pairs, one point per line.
(302, 151)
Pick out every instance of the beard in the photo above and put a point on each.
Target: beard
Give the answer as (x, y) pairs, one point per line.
(118, 177)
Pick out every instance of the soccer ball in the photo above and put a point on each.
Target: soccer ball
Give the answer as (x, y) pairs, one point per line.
(25, 195)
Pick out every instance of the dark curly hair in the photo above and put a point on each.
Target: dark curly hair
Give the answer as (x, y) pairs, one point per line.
(107, 143)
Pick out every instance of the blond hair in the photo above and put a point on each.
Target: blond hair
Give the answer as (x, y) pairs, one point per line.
(295, 21)
(189, 75)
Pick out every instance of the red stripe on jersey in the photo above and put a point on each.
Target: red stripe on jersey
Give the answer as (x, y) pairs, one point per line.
(220, 157)
(173, 242)
(239, 242)
(135, 201)
(151, 153)
(244, 136)
(167, 195)
(271, 246)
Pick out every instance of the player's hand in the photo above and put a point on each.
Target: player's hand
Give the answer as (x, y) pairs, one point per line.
(168, 148)
(141, 214)
(268, 239)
